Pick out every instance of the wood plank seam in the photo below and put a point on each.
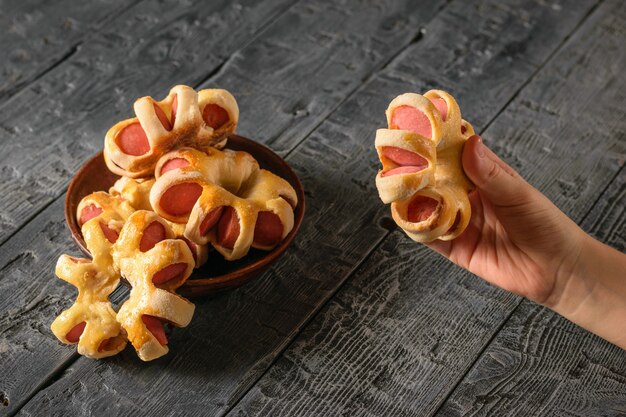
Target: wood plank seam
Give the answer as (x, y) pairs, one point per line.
(389, 230)
(6, 95)
(212, 73)
(518, 305)
(118, 296)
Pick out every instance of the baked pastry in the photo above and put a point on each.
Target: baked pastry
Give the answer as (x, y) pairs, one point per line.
(155, 264)
(91, 321)
(422, 176)
(184, 118)
(225, 199)
(137, 193)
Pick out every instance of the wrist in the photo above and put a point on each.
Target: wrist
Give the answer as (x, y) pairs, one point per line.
(593, 293)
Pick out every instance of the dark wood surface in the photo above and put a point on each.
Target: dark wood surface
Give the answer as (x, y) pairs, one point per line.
(355, 319)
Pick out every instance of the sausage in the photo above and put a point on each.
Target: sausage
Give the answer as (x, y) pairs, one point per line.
(210, 220)
(169, 273)
(155, 326)
(111, 343)
(410, 118)
(179, 199)
(89, 213)
(215, 116)
(442, 106)
(73, 336)
(268, 230)
(174, 163)
(401, 170)
(153, 234)
(228, 228)
(421, 208)
(132, 140)
(109, 233)
(162, 117)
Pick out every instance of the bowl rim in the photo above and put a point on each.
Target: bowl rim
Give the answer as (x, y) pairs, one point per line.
(232, 279)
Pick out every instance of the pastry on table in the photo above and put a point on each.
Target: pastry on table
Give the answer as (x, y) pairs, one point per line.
(137, 192)
(184, 118)
(91, 321)
(155, 264)
(225, 199)
(422, 175)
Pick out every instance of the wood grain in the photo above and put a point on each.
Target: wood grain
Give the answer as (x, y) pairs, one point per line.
(371, 32)
(236, 336)
(541, 363)
(51, 127)
(400, 334)
(37, 36)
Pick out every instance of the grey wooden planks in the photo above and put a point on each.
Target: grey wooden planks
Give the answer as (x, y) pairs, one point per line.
(387, 26)
(290, 79)
(29, 295)
(51, 127)
(397, 337)
(542, 364)
(36, 36)
(217, 359)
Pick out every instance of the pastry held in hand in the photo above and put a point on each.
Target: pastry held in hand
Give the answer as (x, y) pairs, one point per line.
(91, 321)
(422, 175)
(225, 199)
(155, 264)
(184, 118)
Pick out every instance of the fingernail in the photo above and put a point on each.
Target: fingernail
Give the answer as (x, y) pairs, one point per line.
(480, 147)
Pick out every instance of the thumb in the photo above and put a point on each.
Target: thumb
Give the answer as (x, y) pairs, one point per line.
(496, 180)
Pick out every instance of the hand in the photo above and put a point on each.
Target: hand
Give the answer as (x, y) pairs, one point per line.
(520, 241)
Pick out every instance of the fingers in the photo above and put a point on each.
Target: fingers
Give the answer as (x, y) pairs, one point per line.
(497, 181)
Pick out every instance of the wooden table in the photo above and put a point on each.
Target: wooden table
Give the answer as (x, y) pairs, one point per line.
(355, 319)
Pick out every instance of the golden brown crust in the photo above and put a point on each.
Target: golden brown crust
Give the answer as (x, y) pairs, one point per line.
(95, 280)
(145, 297)
(189, 128)
(227, 178)
(443, 180)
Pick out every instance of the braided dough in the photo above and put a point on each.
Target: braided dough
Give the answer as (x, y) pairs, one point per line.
(225, 199)
(155, 264)
(91, 321)
(422, 175)
(184, 118)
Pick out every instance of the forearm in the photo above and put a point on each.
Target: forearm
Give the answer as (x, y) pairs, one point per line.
(594, 295)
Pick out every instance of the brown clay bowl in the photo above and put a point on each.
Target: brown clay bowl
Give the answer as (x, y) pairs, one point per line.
(217, 274)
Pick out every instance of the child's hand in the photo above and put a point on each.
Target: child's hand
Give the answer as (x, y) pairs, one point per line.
(518, 240)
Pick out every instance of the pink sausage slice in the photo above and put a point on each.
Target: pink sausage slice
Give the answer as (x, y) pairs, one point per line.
(228, 228)
(109, 233)
(442, 106)
(169, 273)
(174, 163)
(215, 116)
(155, 326)
(162, 117)
(401, 170)
(153, 234)
(89, 213)
(421, 208)
(132, 140)
(179, 199)
(409, 118)
(109, 344)
(404, 157)
(73, 336)
(211, 220)
(268, 230)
